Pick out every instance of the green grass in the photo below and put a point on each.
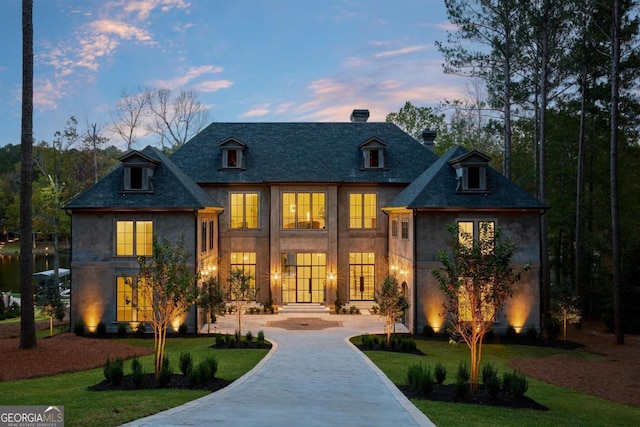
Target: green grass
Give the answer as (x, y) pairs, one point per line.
(566, 407)
(101, 409)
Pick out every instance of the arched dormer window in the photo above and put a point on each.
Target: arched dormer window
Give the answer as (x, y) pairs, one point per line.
(138, 171)
(232, 154)
(373, 154)
(471, 172)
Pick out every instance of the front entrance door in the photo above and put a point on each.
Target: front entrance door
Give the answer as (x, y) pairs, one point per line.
(304, 277)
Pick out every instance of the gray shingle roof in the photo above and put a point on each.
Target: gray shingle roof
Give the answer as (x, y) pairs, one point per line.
(303, 152)
(436, 188)
(173, 189)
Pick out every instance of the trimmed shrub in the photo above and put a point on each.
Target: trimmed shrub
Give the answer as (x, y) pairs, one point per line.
(137, 372)
(212, 363)
(462, 380)
(260, 339)
(199, 375)
(487, 372)
(420, 378)
(113, 370)
(122, 329)
(182, 329)
(428, 331)
(141, 328)
(552, 327)
(440, 373)
(408, 344)
(516, 384)
(101, 329)
(185, 363)
(166, 372)
(367, 341)
(510, 332)
(532, 333)
(78, 328)
(248, 336)
(490, 379)
(220, 340)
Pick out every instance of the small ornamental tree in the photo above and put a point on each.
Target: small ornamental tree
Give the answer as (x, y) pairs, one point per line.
(564, 309)
(477, 277)
(166, 290)
(49, 302)
(393, 304)
(211, 299)
(240, 293)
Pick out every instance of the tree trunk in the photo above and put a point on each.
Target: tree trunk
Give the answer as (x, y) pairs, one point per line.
(27, 316)
(613, 170)
(580, 182)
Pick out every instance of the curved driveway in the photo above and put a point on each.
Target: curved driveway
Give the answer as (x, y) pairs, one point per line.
(311, 377)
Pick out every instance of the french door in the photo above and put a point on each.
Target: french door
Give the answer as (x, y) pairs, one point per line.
(304, 277)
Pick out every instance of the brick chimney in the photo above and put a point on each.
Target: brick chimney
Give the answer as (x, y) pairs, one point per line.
(359, 116)
(428, 136)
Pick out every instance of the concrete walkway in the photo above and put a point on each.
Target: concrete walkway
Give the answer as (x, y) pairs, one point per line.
(311, 377)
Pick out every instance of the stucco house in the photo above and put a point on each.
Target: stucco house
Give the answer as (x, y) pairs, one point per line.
(314, 211)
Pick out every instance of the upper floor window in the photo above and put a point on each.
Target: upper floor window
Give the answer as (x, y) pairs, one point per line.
(304, 210)
(363, 210)
(211, 236)
(373, 153)
(471, 172)
(481, 231)
(244, 210)
(405, 229)
(134, 238)
(138, 171)
(203, 237)
(232, 154)
(394, 228)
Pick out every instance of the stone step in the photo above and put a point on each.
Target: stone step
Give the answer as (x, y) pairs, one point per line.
(303, 308)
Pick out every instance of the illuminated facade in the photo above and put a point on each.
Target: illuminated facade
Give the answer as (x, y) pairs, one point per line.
(314, 211)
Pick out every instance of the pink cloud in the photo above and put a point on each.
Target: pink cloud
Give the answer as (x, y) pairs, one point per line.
(213, 85)
(119, 28)
(143, 8)
(260, 111)
(403, 51)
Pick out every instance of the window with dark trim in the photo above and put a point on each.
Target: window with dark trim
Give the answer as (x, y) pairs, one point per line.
(405, 229)
(394, 228)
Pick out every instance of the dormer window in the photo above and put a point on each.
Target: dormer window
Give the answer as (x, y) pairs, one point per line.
(138, 171)
(373, 154)
(471, 172)
(232, 154)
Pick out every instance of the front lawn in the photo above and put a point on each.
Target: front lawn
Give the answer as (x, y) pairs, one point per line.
(566, 407)
(84, 408)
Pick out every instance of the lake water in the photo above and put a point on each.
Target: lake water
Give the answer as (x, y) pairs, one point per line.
(10, 268)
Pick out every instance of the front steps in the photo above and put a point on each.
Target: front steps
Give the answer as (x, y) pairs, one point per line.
(304, 309)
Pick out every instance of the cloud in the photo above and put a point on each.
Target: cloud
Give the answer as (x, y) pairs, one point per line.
(46, 93)
(193, 73)
(93, 48)
(143, 8)
(119, 28)
(403, 51)
(213, 85)
(259, 111)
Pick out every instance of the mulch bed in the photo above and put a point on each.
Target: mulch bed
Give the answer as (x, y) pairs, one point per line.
(447, 393)
(149, 382)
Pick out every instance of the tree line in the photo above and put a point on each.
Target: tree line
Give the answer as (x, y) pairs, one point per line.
(553, 98)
